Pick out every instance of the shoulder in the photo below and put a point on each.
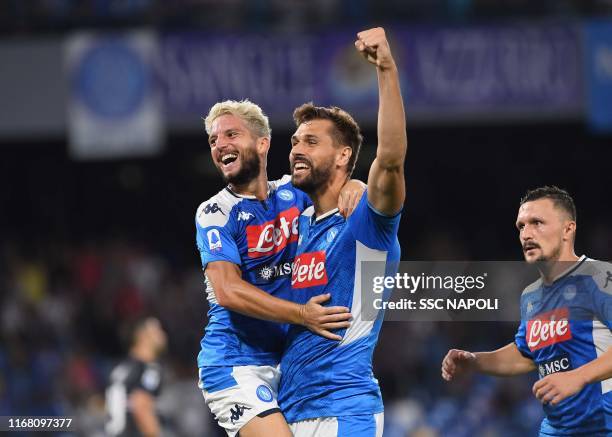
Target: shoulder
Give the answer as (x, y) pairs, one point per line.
(216, 210)
(534, 286)
(284, 189)
(600, 271)
(284, 182)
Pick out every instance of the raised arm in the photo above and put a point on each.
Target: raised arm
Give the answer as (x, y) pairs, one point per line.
(386, 185)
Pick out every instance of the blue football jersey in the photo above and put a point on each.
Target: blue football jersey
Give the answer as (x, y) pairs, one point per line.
(261, 237)
(325, 378)
(565, 325)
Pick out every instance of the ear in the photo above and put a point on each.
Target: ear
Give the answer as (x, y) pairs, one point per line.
(344, 156)
(263, 145)
(569, 230)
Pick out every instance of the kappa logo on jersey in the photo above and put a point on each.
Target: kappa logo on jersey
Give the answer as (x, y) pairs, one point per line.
(309, 270)
(548, 328)
(245, 216)
(608, 279)
(212, 208)
(560, 363)
(238, 412)
(273, 236)
(214, 240)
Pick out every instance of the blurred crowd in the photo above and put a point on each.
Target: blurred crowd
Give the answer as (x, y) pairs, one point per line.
(18, 16)
(63, 310)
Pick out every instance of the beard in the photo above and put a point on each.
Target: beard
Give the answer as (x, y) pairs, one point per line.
(317, 178)
(555, 254)
(249, 169)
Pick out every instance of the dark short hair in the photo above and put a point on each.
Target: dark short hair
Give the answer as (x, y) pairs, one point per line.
(560, 198)
(346, 130)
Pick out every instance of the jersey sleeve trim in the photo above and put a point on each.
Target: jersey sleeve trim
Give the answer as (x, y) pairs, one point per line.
(382, 214)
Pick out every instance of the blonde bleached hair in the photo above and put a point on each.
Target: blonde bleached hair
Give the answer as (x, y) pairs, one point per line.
(247, 111)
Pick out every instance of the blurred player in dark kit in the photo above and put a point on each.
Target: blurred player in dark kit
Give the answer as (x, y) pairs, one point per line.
(566, 318)
(328, 388)
(135, 384)
(247, 237)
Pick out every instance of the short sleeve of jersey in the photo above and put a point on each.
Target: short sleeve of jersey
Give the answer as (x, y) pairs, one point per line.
(520, 340)
(372, 228)
(214, 235)
(602, 297)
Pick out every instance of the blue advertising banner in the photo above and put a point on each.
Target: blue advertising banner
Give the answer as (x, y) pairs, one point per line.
(598, 62)
(478, 71)
(198, 70)
(516, 70)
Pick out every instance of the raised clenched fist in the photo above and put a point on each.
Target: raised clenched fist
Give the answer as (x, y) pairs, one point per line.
(373, 45)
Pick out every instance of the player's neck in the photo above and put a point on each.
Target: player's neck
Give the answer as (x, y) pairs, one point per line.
(326, 198)
(257, 187)
(552, 269)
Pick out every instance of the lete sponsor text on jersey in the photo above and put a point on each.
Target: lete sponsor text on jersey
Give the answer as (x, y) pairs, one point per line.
(548, 328)
(309, 270)
(273, 236)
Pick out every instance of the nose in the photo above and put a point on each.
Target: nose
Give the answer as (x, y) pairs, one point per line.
(526, 234)
(221, 142)
(297, 149)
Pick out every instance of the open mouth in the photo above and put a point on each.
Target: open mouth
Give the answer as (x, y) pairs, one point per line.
(300, 167)
(228, 158)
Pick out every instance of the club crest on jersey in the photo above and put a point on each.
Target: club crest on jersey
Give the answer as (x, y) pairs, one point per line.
(569, 292)
(548, 328)
(214, 240)
(561, 363)
(331, 234)
(286, 195)
(273, 236)
(264, 393)
(309, 270)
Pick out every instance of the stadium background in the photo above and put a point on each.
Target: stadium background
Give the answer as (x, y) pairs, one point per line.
(93, 234)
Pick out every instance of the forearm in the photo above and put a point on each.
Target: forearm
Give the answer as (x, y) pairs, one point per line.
(148, 425)
(143, 410)
(392, 141)
(506, 361)
(244, 298)
(597, 370)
